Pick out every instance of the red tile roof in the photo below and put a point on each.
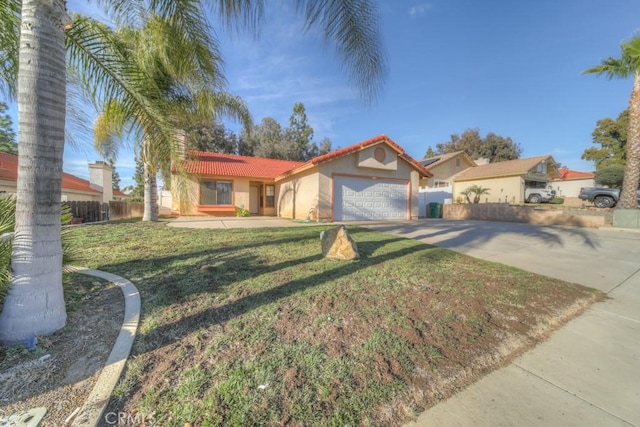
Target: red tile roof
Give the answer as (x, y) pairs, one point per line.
(206, 163)
(567, 175)
(9, 172)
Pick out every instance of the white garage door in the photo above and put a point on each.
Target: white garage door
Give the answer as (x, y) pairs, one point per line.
(357, 199)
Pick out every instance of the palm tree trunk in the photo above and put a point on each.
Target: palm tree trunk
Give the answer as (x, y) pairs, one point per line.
(628, 197)
(150, 187)
(34, 304)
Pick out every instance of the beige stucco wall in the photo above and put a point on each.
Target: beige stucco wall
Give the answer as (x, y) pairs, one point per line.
(571, 188)
(297, 196)
(348, 165)
(80, 196)
(240, 192)
(446, 171)
(192, 188)
(511, 188)
(9, 187)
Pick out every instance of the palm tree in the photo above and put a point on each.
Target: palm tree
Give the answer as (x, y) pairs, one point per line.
(477, 192)
(626, 66)
(34, 302)
(181, 80)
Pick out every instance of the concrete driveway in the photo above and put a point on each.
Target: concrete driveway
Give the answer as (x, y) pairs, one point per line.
(588, 372)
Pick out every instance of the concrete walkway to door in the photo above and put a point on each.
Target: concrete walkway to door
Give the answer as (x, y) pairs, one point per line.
(236, 222)
(588, 372)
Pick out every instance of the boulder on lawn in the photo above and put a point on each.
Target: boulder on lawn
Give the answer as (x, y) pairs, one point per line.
(338, 244)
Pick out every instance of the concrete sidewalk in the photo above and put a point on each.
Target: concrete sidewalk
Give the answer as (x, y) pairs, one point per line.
(588, 372)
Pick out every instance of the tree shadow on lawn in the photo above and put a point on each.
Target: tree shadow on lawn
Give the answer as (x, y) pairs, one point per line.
(176, 280)
(473, 234)
(166, 285)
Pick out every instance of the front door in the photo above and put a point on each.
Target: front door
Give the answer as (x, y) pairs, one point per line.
(254, 198)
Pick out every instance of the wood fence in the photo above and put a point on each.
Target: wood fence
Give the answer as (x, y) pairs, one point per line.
(122, 210)
(84, 212)
(88, 211)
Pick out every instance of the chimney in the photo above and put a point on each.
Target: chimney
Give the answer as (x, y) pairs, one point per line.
(100, 178)
(182, 141)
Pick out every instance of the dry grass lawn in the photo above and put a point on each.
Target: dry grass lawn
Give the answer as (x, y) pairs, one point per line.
(254, 327)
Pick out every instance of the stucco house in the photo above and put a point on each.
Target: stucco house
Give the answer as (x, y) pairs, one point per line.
(444, 168)
(507, 180)
(97, 188)
(372, 180)
(569, 182)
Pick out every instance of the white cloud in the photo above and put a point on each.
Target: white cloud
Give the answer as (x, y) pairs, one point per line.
(420, 9)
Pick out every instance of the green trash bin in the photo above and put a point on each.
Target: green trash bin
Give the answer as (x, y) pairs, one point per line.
(435, 210)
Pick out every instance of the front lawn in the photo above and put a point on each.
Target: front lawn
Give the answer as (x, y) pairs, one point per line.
(248, 327)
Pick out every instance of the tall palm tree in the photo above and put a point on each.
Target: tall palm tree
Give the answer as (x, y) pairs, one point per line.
(180, 79)
(34, 303)
(628, 65)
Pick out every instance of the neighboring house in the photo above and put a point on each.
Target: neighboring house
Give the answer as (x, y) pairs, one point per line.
(569, 183)
(73, 188)
(444, 168)
(374, 179)
(439, 187)
(507, 180)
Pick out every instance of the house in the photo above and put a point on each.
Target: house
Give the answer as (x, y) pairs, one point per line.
(372, 180)
(73, 188)
(439, 187)
(569, 183)
(507, 180)
(444, 168)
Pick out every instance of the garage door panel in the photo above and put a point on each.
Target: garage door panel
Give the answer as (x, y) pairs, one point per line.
(357, 199)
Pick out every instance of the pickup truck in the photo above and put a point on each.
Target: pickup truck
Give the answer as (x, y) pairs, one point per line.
(602, 197)
(539, 195)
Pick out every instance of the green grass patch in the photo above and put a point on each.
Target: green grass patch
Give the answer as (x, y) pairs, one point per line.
(254, 327)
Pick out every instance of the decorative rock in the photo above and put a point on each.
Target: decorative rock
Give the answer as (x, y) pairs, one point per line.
(338, 244)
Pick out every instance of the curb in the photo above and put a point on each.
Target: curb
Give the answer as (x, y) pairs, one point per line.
(91, 412)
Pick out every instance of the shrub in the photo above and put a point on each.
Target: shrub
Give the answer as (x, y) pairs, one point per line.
(242, 211)
(557, 201)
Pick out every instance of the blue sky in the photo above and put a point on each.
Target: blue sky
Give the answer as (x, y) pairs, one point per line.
(508, 67)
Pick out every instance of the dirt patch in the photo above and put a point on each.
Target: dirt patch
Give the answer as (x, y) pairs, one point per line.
(254, 327)
(64, 367)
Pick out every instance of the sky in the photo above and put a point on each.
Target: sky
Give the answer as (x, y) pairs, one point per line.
(513, 68)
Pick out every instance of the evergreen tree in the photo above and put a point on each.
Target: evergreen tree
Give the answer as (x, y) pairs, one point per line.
(611, 136)
(7, 135)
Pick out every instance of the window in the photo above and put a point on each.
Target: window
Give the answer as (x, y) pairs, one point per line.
(216, 192)
(457, 163)
(541, 168)
(271, 196)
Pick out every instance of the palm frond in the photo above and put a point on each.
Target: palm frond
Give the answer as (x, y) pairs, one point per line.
(9, 45)
(627, 65)
(354, 27)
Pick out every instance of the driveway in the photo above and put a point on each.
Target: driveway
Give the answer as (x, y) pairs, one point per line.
(588, 372)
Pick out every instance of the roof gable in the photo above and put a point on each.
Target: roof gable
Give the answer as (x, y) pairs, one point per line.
(435, 161)
(380, 139)
(217, 164)
(499, 169)
(568, 175)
